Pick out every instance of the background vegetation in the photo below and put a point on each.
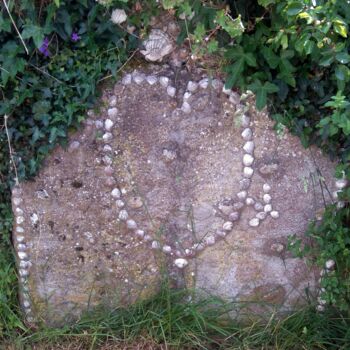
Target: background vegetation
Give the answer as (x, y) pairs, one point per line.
(293, 54)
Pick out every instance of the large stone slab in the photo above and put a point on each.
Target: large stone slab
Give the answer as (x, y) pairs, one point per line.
(172, 174)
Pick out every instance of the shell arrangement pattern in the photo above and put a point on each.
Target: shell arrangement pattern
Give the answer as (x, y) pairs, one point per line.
(263, 206)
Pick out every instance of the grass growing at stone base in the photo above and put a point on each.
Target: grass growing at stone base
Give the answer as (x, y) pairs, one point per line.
(176, 319)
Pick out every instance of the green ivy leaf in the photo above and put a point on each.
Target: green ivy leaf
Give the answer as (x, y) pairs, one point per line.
(234, 71)
(261, 92)
(294, 8)
(343, 57)
(340, 27)
(266, 3)
(34, 32)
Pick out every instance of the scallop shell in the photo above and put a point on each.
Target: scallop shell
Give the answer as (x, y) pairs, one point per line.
(267, 198)
(157, 46)
(181, 263)
(227, 226)
(248, 160)
(249, 147)
(248, 172)
(247, 134)
(274, 214)
(118, 16)
(254, 222)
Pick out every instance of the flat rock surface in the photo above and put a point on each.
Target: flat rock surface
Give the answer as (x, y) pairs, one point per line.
(155, 183)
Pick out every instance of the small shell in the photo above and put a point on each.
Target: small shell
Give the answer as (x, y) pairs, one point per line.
(210, 240)
(24, 264)
(127, 79)
(23, 272)
(19, 229)
(226, 91)
(192, 86)
(267, 198)
(147, 238)
(26, 304)
(248, 172)
(21, 247)
(267, 208)
(123, 215)
(187, 95)
(155, 245)
(108, 124)
(234, 98)
(242, 195)
(204, 83)
(171, 91)
(254, 222)
(249, 147)
(258, 206)
(19, 220)
(107, 148)
(249, 201)
(188, 252)
(138, 78)
(118, 16)
(341, 183)
(234, 216)
(34, 218)
(277, 247)
(157, 45)
(186, 108)
(247, 134)
(140, 233)
(151, 79)
(266, 188)
(320, 308)
(164, 81)
(99, 124)
(17, 201)
(20, 239)
(181, 263)
(112, 112)
(274, 214)
(220, 233)
(199, 246)
(248, 160)
(107, 137)
(244, 184)
(131, 224)
(112, 101)
(116, 193)
(261, 215)
(330, 264)
(245, 121)
(227, 226)
(19, 211)
(166, 249)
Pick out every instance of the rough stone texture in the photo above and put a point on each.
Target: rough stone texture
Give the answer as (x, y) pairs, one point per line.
(178, 175)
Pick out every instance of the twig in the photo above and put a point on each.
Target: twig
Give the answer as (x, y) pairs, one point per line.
(46, 73)
(10, 149)
(14, 24)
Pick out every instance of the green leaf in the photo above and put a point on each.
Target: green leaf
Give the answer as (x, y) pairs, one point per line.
(234, 71)
(262, 91)
(326, 60)
(294, 8)
(34, 32)
(234, 27)
(343, 57)
(340, 27)
(266, 3)
(270, 57)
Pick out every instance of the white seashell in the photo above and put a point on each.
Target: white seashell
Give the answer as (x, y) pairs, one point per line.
(277, 247)
(108, 124)
(20, 239)
(203, 83)
(115, 193)
(180, 263)
(107, 148)
(274, 214)
(188, 252)
(123, 215)
(244, 184)
(140, 233)
(248, 172)
(171, 91)
(234, 216)
(164, 81)
(226, 91)
(245, 121)
(112, 101)
(335, 194)
(248, 160)
(242, 195)
(118, 16)
(166, 249)
(147, 238)
(155, 245)
(258, 206)
(23, 272)
(157, 45)
(151, 79)
(320, 308)
(17, 201)
(261, 215)
(340, 204)
(22, 255)
(131, 224)
(138, 78)
(249, 147)
(21, 247)
(217, 84)
(123, 190)
(24, 264)
(220, 233)
(127, 79)
(266, 188)
(19, 229)
(16, 191)
(107, 137)
(119, 203)
(321, 301)
(99, 124)
(210, 240)
(267, 208)
(254, 222)
(186, 108)
(341, 183)
(187, 95)
(227, 226)
(112, 112)
(19, 220)
(267, 198)
(330, 264)
(247, 134)
(34, 219)
(249, 201)
(19, 211)
(72, 146)
(26, 304)
(192, 86)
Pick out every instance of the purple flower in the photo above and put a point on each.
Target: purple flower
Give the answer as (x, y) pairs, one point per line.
(75, 37)
(44, 47)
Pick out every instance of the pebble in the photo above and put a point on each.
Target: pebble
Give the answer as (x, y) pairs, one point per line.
(226, 91)
(247, 134)
(258, 206)
(140, 233)
(20, 239)
(171, 91)
(19, 220)
(19, 229)
(119, 203)
(17, 201)
(266, 188)
(151, 79)
(245, 121)
(242, 195)
(249, 147)
(155, 245)
(108, 124)
(166, 249)
(244, 184)
(107, 148)
(203, 83)
(110, 182)
(238, 206)
(123, 215)
(126, 79)
(112, 101)
(248, 160)
(99, 124)
(254, 222)
(267, 198)
(138, 78)
(249, 201)
(116, 193)
(234, 216)
(261, 215)
(131, 224)
(220, 233)
(181, 263)
(23, 272)
(107, 137)
(192, 86)
(267, 208)
(186, 108)
(187, 95)
(74, 145)
(248, 172)
(274, 214)
(112, 112)
(330, 264)
(210, 240)
(164, 81)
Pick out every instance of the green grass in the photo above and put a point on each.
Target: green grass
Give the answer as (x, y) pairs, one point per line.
(177, 320)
